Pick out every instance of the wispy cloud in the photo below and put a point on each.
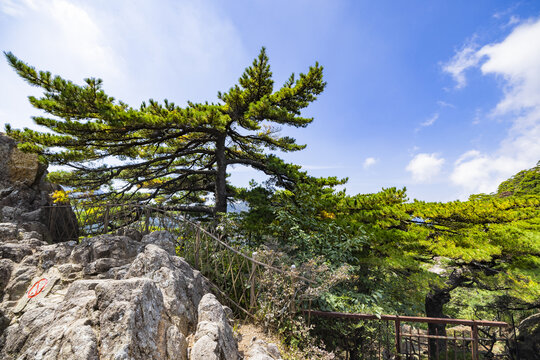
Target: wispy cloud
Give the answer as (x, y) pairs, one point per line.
(369, 162)
(425, 167)
(465, 58)
(16, 7)
(514, 19)
(178, 50)
(507, 12)
(515, 61)
(444, 104)
(477, 117)
(431, 120)
(70, 32)
(428, 122)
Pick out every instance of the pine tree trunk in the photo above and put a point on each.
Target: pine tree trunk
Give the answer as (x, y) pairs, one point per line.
(221, 177)
(435, 301)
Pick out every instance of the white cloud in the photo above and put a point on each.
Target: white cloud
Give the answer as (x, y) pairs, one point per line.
(16, 7)
(445, 104)
(83, 35)
(61, 33)
(516, 61)
(178, 50)
(514, 19)
(370, 161)
(464, 59)
(424, 167)
(430, 121)
(481, 173)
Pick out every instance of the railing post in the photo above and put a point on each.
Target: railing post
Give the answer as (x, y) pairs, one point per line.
(147, 226)
(293, 285)
(252, 299)
(309, 314)
(197, 246)
(397, 324)
(106, 219)
(474, 347)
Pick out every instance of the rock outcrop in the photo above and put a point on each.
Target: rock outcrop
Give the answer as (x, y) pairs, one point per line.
(25, 195)
(214, 339)
(261, 350)
(108, 297)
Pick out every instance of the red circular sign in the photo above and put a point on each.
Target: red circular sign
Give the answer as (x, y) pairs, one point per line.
(37, 288)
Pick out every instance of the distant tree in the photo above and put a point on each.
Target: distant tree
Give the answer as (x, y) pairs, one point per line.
(523, 183)
(164, 153)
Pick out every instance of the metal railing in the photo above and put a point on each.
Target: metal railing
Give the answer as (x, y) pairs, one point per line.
(230, 267)
(407, 337)
(241, 281)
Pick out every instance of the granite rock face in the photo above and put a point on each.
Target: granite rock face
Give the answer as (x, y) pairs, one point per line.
(214, 339)
(108, 297)
(261, 350)
(25, 195)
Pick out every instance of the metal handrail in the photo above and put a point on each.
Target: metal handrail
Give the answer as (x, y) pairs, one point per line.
(436, 343)
(105, 218)
(249, 258)
(408, 318)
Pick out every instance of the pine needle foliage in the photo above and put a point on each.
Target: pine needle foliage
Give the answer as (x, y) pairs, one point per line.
(488, 243)
(161, 152)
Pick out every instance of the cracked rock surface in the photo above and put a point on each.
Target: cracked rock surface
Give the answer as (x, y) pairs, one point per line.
(107, 297)
(25, 196)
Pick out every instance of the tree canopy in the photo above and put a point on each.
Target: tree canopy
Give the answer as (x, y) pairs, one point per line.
(161, 152)
(461, 258)
(523, 183)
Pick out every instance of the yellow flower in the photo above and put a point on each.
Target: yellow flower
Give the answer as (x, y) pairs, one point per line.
(60, 196)
(327, 215)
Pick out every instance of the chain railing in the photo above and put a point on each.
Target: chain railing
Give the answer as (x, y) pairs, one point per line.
(231, 269)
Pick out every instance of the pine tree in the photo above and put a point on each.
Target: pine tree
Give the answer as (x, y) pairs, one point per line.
(487, 244)
(164, 153)
(522, 183)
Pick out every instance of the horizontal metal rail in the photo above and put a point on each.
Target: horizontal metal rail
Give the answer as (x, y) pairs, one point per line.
(407, 340)
(408, 318)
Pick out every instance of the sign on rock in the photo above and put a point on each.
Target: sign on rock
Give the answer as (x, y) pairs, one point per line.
(37, 288)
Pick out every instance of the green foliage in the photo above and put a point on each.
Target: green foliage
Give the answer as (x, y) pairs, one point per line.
(366, 232)
(493, 244)
(523, 183)
(374, 253)
(164, 153)
(397, 252)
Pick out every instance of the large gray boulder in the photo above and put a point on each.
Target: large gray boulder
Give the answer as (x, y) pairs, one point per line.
(214, 339)
(25, 195)
(108, 297)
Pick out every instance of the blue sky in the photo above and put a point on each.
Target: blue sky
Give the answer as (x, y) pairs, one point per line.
(440, 97)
